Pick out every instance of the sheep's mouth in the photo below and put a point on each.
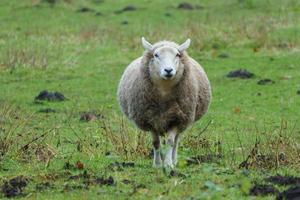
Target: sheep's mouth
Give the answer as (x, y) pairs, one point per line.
(168, 76)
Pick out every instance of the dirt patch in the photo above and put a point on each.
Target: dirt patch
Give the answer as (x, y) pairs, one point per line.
(293, 193)
(185, 6)
(262, 190)
(223, 55)
(284, 180)
(85, 10)
(265, 81)
(128, 8)
(47, 110)
(90, 116)
(49, 96)
(104, 181)
(14, 187)
(209, 158)
(240, 73)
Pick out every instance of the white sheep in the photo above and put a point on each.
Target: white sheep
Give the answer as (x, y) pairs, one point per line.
(164, 91)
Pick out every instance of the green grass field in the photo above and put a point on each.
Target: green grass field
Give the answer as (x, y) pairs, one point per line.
(81, 48)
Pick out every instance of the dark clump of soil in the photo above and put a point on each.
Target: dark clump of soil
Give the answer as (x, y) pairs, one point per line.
(14, 187)
(90, 116)
(240, 73)
(126, 9)
(103, 181)
(49, 96)
(85, 9)
(47, 110)
(284, 180)
(223, 55)
(293, 193)
(44, 186)
(257, 190)
(265, 81)
(124, 164)
(209, 158)
(98, 14)
(185, 6)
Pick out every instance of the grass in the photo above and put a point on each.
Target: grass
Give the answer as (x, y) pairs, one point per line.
(82, 55)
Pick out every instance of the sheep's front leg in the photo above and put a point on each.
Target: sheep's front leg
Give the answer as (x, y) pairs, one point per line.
(174, 153)
(156, 150)
(168, 157)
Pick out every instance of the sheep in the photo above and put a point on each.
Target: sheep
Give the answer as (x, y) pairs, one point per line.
(163, 92)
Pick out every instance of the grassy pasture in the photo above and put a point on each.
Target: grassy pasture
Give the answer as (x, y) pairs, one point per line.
(81, 47)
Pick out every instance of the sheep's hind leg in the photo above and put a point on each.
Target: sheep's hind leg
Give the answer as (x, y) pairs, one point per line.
(156, 150)
(168, 157)
(174, 153)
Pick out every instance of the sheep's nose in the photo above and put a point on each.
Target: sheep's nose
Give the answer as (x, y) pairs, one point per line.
(168, 70)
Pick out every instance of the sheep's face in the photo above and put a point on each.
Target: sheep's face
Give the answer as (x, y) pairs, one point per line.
(165, 63)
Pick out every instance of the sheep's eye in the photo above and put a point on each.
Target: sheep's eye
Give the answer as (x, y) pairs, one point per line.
(178, 55)
(156, 55)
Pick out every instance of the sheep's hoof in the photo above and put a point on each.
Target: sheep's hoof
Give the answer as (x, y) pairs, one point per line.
(169, 165)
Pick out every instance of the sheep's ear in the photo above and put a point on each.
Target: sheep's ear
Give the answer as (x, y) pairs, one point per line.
(146, 44)
(185, 45)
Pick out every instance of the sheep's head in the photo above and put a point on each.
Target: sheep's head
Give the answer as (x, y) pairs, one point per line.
(165, 59)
